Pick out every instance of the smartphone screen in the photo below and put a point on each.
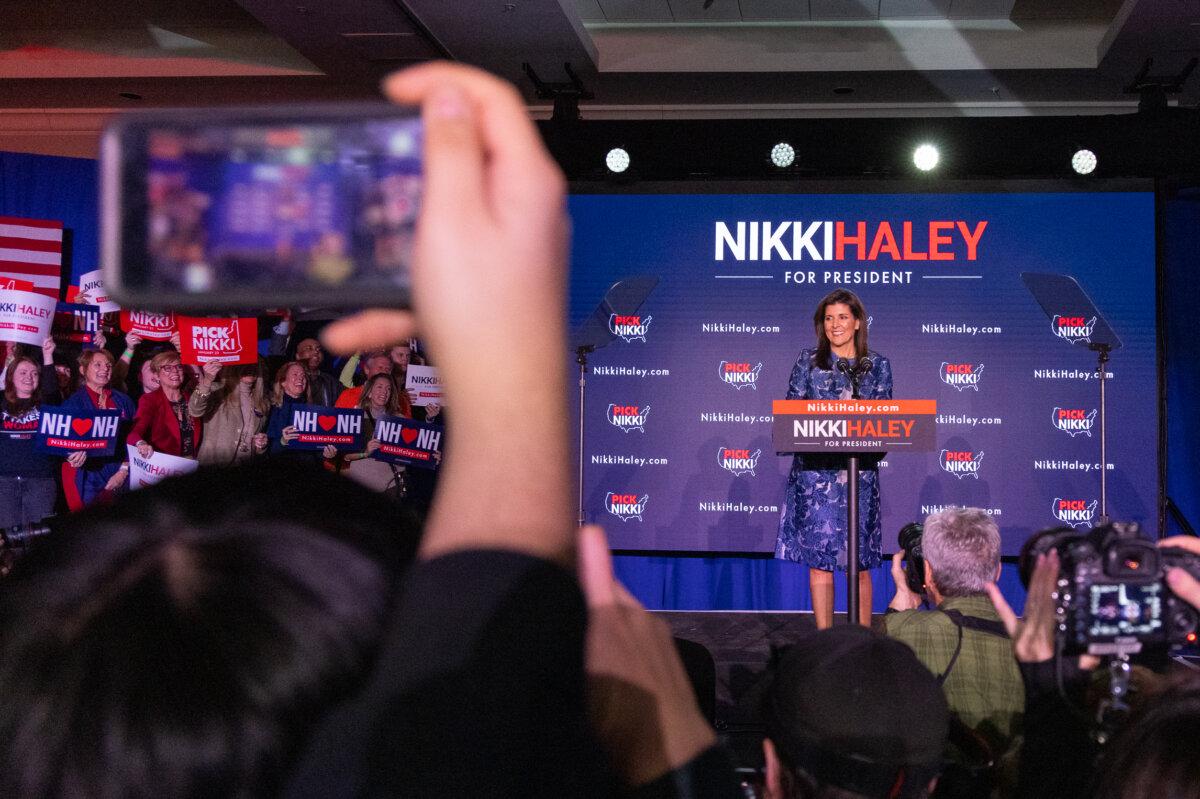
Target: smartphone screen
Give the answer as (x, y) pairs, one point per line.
(242, 212)
(1121, 609)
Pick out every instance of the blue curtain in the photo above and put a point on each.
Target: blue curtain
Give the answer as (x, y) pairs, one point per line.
(662, 582)
(1181, 287)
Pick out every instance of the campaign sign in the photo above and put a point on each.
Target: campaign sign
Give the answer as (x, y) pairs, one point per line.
(803, 425)
(159, 466)
(26, 316)
(407, 442)
(424, 385)
(223, 340)
(63, 431)
(149, 325)
(318, 426)
(15, 284)
(76, 323)
(92, 284)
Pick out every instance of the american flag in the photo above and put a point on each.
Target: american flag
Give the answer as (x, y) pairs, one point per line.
(31, 249)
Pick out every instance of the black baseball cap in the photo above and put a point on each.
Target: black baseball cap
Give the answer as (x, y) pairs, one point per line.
(857, 710)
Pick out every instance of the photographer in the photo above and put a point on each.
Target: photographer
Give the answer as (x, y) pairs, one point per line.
(962, 641)
(851, 714)
(1154, 753)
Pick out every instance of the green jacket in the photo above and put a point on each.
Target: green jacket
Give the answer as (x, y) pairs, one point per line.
(984, 687)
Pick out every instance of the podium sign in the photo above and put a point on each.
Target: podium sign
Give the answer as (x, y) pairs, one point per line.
(851, 426)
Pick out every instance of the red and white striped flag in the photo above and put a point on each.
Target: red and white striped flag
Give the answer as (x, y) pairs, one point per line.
(31, 249)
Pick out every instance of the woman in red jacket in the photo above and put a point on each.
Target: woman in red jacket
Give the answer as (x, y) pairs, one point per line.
(162, 422)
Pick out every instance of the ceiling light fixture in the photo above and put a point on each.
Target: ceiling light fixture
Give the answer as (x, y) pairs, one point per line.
(926, 157)
(617, 160)
(1084, 162)
(783, 155)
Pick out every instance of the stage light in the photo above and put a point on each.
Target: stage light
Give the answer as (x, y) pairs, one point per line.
(783, 155)
(617, 160)
(926, 157)
(1084, 162)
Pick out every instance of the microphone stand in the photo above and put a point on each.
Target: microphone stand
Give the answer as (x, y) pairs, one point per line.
(1102, 351)
(581, 358)
(854, 374)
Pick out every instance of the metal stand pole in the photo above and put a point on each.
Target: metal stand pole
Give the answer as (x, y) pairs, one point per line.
(852, 540)
(581, 359)
(1102, 357)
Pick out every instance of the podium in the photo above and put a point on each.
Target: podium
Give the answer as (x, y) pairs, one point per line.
(853, 427)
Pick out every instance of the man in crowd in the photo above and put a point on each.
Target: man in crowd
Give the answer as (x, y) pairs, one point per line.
(373, 363)
(962, 640)
(322, 387)
(853, 714)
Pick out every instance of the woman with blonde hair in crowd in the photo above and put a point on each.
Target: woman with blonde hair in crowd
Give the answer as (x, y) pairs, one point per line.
(233, 405)
(163, 423)
(380, 398)
(290, 389)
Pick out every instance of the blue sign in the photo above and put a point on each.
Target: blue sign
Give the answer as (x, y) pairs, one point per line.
(76, 323)
(62, 431)
(407, 442)
(318, 426)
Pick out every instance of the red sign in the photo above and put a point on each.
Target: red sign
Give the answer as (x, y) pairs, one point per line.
(149, 325)
(224, 340)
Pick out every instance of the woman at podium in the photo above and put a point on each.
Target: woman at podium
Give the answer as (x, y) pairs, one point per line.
(812, 525)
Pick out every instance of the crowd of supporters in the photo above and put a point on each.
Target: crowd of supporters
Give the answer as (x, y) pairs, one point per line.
(218, 415)
(266, 628)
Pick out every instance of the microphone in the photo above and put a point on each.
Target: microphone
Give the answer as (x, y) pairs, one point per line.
(854, 373)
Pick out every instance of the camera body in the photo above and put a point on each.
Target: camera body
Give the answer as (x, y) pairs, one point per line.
(909, 539)
(1112, 597)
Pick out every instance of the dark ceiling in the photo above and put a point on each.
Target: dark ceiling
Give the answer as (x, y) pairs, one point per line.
(66, 64)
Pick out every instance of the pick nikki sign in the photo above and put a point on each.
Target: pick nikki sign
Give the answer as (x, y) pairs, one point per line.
(63, 431)
(318, 426)
(223, 340)
(148, 324)
(407, 442)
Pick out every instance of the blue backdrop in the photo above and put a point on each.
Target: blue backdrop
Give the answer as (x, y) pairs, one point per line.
(692, 378)
(65, 189)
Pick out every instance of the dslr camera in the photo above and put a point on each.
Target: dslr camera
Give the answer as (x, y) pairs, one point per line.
(1112, 597)
(909, 539)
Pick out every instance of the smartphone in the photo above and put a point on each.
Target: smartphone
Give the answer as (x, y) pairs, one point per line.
(251, 208)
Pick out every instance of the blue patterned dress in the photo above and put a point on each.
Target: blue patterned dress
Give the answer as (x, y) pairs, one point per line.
(812, 525)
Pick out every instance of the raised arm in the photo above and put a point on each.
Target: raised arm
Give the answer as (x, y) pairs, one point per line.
(488, 173)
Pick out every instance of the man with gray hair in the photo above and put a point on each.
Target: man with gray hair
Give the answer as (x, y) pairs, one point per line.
(962, 641)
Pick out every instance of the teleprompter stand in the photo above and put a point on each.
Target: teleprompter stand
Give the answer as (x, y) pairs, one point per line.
(623, 298)
(853, 428)
(1062, 298)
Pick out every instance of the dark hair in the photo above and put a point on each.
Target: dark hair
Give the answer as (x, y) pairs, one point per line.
(1155, 754)
(14, 404)
(186, 640)
(850, 299)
